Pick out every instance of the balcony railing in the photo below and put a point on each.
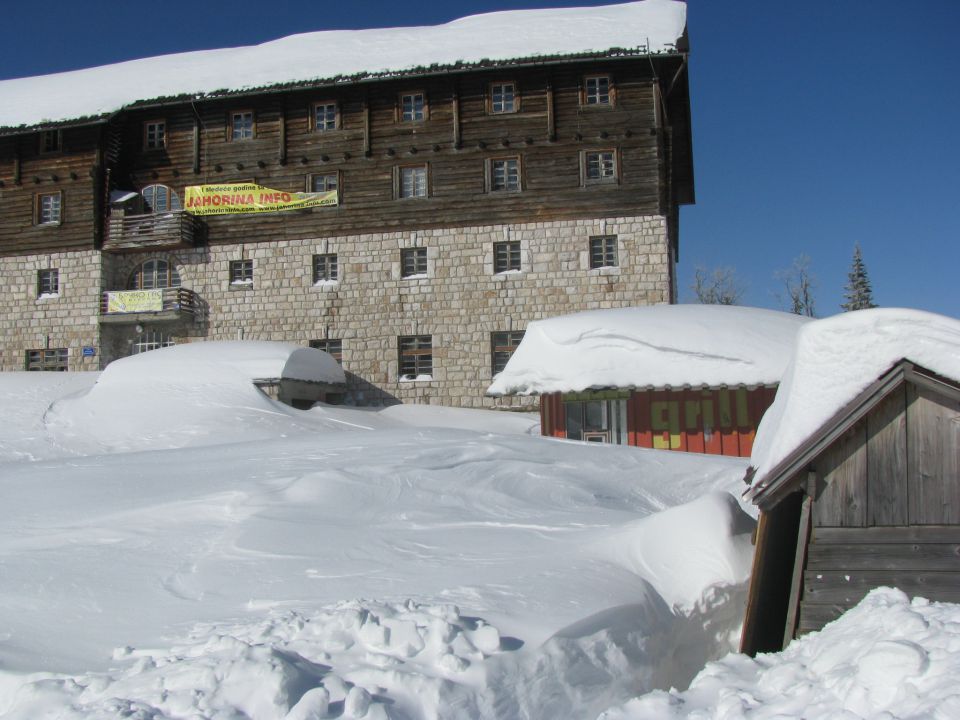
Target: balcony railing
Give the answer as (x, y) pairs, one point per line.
(169, 230)
(161, 304)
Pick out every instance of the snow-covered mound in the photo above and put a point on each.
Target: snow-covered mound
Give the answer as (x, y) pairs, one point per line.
(651, 25)
(836, 359)
(886, 658)
(182, 395)
(657, 346)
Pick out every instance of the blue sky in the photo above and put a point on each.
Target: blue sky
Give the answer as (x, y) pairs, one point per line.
(815, 125)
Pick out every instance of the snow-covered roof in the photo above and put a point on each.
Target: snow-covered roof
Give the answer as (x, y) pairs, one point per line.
(835, 360)
(650, 26)
(657, 346)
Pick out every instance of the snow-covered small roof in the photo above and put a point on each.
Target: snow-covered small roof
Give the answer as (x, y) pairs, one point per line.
(217, 361)
(657, 346)
(835, 360)
(650, 26)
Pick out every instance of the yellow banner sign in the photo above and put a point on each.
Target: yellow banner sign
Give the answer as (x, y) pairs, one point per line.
(241, 198)
(128, 301)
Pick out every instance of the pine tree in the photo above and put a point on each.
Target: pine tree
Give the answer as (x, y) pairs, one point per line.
(857, 291)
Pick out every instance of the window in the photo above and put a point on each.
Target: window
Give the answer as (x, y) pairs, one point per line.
(597, 420)
(325, 117)
(48, 283)
(241, 125)
(154, 135)
(151, 340)
(503, 98)
(49, 360)
(596, 90)
(325, 182)
(153, 274)
(49, 209)
(413, 262)
(160, 199)
(413, 107)
(600, 167)
(325, 268)
(413, 181)
(333, 347)
(502, 345)
(505, 174)
(603, 251)
(241, 272)
(51, 141)
(506, 256)
(416, 357)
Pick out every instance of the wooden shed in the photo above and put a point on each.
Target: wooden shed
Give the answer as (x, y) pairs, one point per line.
(872, 498)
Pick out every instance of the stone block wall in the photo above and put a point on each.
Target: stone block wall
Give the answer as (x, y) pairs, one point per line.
(66, 319)
(459, 302)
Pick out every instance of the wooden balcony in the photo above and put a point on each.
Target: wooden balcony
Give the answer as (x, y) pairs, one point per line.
(159, 231)
(159, 305)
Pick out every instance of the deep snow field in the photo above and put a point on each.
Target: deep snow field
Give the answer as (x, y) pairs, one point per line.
(173, 544)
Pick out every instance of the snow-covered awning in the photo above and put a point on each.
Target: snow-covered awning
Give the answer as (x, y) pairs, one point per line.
(659, 346)
(835, 360)
(650, 26)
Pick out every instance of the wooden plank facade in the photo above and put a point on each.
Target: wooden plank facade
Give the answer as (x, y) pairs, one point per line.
(882, 484)
(714, 421)
(618, 169)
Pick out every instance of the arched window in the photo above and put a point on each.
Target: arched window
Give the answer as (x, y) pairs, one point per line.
(160, 198)
(154, 274)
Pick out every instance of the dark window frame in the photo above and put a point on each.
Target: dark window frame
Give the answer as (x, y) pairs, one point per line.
(424, 109)
(51, 141)
(331, 346)
(159, 139)
(503, 343)
(38, 209)
(47, 360)
(597, 94)
(414, 262)
(493, 186)
(48, 282)
(241, 272)
(232, 126)
(414, 357)
(315, 126)
(604, 252)
(600, 178)
(492, 98)
(398, 189)
(507, 256)
(326, 268)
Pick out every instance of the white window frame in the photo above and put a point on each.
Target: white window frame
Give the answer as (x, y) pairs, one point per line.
(321, 116)
(48, 283)
(48, 208)
(511, 253)
(502, 100)
(603, 252)
(600, 167)
(154, 134)
(326, 268)
(242, 127)
(241, 272)
(413, 107)
(413, 181)
(414, 262)
(594, 94)
(504, 174)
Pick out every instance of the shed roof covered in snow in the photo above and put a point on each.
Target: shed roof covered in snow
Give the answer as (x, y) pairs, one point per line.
(636, 28)
(835, 361)
(660, 346)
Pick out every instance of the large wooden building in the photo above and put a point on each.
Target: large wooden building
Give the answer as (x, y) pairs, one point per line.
(475, 193)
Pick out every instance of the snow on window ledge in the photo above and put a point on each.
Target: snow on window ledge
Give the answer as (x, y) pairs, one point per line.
(507, 273)
(417, 378)
(48, 296)
(326, 284)
(418, 276)
(606, 270)
(243, 284)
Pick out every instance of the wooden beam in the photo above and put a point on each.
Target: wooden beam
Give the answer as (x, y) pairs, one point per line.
(796, 582)
(16, 168)
(196, 145)
(457, 139)
(282, 153)
(551, 115)
(365, 110)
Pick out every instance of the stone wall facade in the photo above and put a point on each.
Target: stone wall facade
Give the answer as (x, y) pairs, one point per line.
(458, 303)
(33, 320)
